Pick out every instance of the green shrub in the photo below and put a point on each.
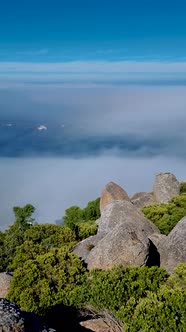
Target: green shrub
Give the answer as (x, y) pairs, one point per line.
(166, 216)
(112, 289)
(86, 229)
(182, 187)
(164, 311)
(39, 240)
(56, 277)
(50, 235)
(178, 278)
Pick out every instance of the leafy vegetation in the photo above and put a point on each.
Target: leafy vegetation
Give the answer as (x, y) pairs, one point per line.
(163, 311)
(48, 279)
(166, 216)
(182, 187)
(82, 221)
(48, 273)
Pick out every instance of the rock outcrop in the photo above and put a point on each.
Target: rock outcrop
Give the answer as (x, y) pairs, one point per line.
(126, 244)
(174, 248)
(165, 187)
(119, 212)
(5, 279)
(143, 199)
(112, 192)
(122, 238)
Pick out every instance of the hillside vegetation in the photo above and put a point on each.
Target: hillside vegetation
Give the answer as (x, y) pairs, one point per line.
(48, 273)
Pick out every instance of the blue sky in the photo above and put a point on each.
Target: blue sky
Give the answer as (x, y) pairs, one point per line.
(91, 34)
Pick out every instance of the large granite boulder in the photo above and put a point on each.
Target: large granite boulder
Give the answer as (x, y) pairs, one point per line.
(119, 212)
(112, 192)
(125, 244)
(5, 279)
(174, 248)
(165, 187)
(143, 199)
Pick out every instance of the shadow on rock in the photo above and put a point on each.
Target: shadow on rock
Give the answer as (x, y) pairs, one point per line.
(63, 318)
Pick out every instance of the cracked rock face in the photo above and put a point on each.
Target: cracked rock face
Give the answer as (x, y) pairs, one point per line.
(126, 244)
(119, 212)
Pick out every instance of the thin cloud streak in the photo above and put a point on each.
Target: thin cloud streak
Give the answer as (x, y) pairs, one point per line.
(95, 67)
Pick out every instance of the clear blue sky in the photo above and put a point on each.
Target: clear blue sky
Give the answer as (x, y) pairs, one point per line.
(92, 32)
(54, 30)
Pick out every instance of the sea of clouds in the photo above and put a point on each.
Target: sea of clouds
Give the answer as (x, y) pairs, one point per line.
(95, 134)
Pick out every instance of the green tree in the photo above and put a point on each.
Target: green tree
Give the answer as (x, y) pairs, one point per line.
(15, 235)
(92, 210)
(75, 217)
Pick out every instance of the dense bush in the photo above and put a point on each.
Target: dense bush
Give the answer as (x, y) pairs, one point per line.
(113, 288)
(164, 311)
(56, 277)
(50, 235)
(166, 216)
(178, 278)
(85, 229)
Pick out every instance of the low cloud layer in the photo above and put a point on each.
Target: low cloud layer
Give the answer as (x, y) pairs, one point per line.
(127, 121)
(52, 185)
(126, 134)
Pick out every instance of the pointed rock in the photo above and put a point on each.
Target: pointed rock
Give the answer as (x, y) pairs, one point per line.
(112, 192)
(119, 212)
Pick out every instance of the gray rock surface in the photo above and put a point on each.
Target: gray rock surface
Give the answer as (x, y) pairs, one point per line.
(126, 244)
(112, 192)
(83, 248)
(143, 199)
(5, 279)
(11, 319)
(174, 248)
(158, 240)
(119, 212)
(165, 187)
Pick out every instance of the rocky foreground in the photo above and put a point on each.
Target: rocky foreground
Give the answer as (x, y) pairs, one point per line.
(125, 236)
